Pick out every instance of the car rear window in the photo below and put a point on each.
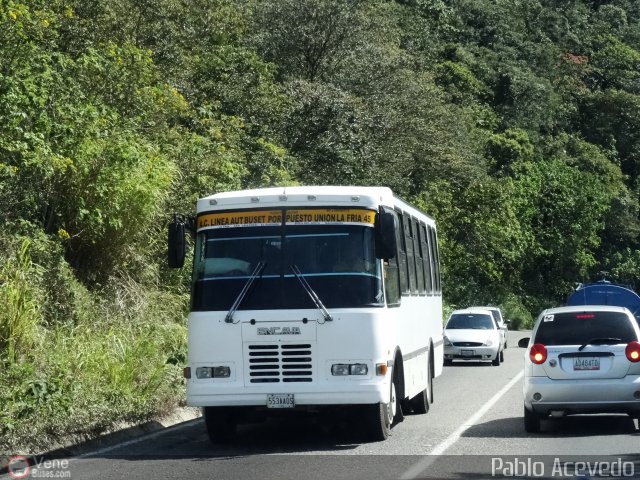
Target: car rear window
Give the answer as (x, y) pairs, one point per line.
(578, 328)
(478, 321)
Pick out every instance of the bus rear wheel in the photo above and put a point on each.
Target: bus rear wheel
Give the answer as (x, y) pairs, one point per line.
(420, 403)
(221, 423)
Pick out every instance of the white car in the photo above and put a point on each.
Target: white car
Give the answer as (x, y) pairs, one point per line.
(500, 321)
(472, 335)
(581, 359)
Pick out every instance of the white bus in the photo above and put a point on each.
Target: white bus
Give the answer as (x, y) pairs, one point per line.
(311, 298)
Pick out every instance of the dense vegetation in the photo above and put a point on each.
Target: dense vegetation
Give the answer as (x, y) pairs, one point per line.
(516, 123)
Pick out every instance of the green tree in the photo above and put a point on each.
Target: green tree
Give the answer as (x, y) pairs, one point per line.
(615, 65)
(308, 38)
(611, 120)
(564, 208)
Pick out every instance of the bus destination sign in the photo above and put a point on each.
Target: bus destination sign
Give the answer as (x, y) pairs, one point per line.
(261, 218)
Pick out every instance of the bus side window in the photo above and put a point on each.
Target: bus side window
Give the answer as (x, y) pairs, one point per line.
(402, 256)
(392, 276)
(434, 255)
(419, 256)
(411, 258)
(437, 262)
(426, 259)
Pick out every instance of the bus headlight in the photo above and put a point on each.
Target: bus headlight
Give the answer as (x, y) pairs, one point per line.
(339, 369)
(213, 372)
(358, 369)
(221, 372)
(203, 372)
(342, 369)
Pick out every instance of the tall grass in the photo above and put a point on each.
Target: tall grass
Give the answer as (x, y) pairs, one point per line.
(119, 358)
(20, 310)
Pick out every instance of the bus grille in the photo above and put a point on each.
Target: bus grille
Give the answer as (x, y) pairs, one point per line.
(280, 363)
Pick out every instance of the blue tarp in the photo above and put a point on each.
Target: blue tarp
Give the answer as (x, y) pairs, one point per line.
(606, 293)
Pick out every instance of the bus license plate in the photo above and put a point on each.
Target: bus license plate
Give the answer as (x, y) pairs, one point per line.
(586, 363)
(280, 400)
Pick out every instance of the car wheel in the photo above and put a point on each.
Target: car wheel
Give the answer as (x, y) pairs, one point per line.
(221, 424)
(496, 361)
(531, 421)
(447, 362)
(502, 356)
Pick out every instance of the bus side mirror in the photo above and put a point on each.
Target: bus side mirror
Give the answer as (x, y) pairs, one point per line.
(385, 235)
(176, 244)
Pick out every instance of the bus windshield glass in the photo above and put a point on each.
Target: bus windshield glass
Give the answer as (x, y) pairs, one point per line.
(338, 262)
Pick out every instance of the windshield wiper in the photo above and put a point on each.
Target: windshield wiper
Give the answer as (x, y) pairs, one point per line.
(314, 296)
(243, 293)
(600, 341)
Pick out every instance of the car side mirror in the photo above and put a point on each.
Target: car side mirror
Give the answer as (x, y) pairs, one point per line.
(524, 342)
(176, 244)
(385, 235)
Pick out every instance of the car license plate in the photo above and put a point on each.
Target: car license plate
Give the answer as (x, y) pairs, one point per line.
(586, 363)
(466, 353)
(280, 400)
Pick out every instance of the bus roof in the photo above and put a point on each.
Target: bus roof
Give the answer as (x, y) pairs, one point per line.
(306, 196)
(605, 293)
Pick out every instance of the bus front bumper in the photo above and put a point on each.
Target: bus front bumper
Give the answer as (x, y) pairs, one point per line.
(368, 394)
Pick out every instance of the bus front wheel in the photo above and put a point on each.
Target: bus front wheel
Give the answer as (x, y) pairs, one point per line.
(221, 423)
(379, 417)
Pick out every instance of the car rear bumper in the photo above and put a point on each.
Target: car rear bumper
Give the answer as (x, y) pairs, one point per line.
(617, 395)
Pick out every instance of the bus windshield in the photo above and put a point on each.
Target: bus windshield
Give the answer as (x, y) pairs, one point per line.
(338, 262)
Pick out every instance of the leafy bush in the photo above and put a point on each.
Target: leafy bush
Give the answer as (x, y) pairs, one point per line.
(514, 310)
(76, 381)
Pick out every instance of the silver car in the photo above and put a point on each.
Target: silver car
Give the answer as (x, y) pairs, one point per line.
(582, 359)
(472, 335)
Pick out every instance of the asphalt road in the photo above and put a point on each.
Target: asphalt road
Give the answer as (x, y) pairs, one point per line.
(473, 430)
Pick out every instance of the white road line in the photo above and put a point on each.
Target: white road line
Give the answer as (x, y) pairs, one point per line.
(419, 467)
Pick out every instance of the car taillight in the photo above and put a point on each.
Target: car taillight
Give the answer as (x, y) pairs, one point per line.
(538, 353)
(633, 351)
